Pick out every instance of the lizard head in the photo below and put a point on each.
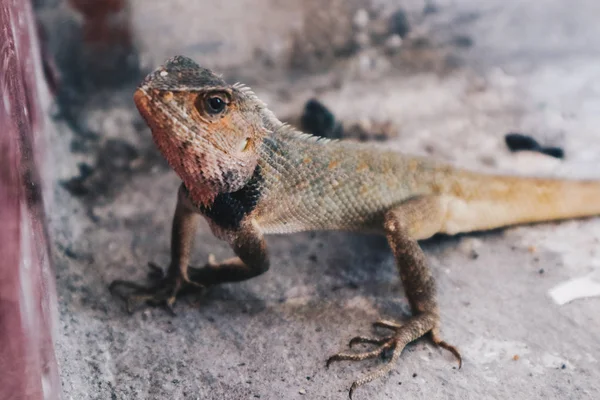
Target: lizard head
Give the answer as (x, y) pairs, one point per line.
(208, 131)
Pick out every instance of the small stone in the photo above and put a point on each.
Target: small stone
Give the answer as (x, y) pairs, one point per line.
(516, 357)
(302, 391)
(469, 247)
(361, 19)
(163, 73)
(393, 43)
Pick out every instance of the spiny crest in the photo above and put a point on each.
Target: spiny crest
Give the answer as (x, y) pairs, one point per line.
(249, 93)
(273, 123)
(241, 87)
(289, 131)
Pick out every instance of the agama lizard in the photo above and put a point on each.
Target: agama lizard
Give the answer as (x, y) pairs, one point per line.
(250, 175)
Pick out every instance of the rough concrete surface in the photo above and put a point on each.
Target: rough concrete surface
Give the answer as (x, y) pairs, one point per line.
(534, 67)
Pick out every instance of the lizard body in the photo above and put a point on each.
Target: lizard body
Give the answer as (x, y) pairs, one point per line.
(314, 184)
(249, 175)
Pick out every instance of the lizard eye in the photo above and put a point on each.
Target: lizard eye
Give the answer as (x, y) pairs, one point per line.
(215, 105)
(212, 104)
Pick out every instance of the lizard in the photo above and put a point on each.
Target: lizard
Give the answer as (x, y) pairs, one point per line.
(250, 175)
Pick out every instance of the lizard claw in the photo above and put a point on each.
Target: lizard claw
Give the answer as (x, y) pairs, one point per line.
(162, 291)
(402, 335)
(368, 340)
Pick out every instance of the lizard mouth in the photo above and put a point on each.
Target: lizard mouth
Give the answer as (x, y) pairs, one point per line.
(140, 96)
(142, 102)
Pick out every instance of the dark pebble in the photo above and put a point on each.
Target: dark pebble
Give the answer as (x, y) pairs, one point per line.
(319, 121)
(399, 23)
(555, 152)
(519, 142)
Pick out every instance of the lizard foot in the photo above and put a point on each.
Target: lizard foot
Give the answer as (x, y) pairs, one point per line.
(162, 291)
(401, 336)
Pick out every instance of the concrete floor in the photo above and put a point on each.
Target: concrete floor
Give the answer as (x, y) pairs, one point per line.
(534, 68)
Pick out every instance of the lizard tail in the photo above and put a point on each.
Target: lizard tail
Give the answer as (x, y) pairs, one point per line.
(479, 202)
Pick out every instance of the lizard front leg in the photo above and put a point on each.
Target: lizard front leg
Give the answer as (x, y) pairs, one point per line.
(420, 217)
(247, 242)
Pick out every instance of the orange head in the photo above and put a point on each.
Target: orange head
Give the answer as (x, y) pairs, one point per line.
(208, 131)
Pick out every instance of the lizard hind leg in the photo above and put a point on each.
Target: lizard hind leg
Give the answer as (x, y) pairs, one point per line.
(416, 218)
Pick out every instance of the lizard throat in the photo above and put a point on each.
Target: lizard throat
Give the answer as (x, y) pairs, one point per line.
(202, 187)
(200, 196)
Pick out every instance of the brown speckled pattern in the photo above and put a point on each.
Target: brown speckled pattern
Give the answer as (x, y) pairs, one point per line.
(312, 184)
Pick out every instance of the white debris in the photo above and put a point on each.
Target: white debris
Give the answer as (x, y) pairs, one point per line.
(577, 288)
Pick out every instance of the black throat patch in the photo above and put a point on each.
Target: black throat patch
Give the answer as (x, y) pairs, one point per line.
(229, 209)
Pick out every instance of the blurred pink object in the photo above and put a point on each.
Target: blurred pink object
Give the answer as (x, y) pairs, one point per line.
(28, 313)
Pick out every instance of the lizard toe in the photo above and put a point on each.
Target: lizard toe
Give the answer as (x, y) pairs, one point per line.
(402, 335)
(162, 290)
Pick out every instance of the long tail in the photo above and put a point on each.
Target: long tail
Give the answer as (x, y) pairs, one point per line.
(479, 202)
